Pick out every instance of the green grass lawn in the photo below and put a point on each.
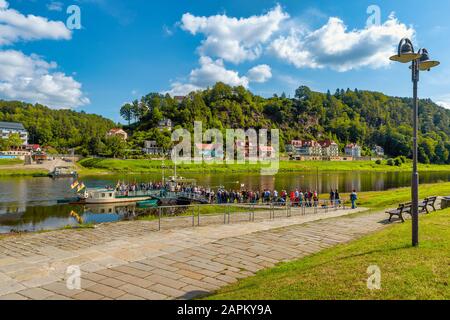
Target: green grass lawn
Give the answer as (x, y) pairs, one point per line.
(102, 166)
(10, 162)
(23, 173)
(390, 198)
(341, 272)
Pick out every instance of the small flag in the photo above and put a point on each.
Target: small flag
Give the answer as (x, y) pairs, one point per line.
(81, 187)
(74, 185)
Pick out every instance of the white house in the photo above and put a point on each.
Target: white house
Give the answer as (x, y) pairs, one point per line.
(353, 150)
(9, 128)
(152, 148)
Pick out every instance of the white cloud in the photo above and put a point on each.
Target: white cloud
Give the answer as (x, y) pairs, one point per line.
(261, 73)
(232, 39)
(444, 104)
(212, 71)
(209, 73)
(335, 47)
(182, 89)
(55, 6)
(32, 79)
(15, 26)
(443, 101)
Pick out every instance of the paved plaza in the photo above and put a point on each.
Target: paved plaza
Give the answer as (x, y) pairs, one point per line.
(132, 260)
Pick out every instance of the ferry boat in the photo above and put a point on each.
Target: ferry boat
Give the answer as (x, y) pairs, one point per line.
(63, 172)
(106, 196)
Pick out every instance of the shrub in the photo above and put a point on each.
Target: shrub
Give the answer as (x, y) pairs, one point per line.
(378, 162)
(390, 162)
(398, 162)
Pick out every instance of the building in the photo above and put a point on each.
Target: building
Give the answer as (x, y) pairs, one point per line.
(117, 132)
(165, 124)
(9, 128)
(210, 151)
(353, 150)
(306, 148)
(378, 151)
(330, 149)
(152, 148)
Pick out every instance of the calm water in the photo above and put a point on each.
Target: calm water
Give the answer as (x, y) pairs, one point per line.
(30, 204)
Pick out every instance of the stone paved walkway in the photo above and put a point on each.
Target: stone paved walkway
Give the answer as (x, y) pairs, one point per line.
(129, 260)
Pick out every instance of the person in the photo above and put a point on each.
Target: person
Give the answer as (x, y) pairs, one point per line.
(332, 197)
(300, 198)
(316, 199)
(353, 198)
(337, 198)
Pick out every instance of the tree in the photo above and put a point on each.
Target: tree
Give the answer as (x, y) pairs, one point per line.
(115, 146)
(126, 112)
(95, 146)
(14, 141)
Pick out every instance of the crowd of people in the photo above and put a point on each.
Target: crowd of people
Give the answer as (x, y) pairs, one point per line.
(297, 197)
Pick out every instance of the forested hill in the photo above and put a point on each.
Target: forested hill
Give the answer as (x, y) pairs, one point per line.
(61, 129)
(368, 118)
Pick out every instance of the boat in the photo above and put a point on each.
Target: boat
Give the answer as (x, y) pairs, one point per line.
(107, 196)
(63, 172)
(151, 203)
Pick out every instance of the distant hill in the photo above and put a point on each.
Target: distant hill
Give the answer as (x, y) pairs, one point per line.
(61, 129)
(368, 118)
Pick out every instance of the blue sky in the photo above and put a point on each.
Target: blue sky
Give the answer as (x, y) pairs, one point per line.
(126, 49)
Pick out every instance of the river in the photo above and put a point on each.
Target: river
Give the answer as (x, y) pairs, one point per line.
(30, 204)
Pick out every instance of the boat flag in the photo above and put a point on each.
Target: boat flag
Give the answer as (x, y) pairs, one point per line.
(81, 187)
(74, 185)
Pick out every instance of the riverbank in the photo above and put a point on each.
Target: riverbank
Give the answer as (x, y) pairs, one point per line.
(93, 166)
(10, 162)
(23, 172)
(340, 273)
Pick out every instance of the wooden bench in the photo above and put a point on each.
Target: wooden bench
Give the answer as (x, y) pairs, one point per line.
(431, 202)
(407, 208)
(402, 208)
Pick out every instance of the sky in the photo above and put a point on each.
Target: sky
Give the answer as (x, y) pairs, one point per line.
(116, 51)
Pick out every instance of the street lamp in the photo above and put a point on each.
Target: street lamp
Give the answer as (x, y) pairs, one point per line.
(420, 61)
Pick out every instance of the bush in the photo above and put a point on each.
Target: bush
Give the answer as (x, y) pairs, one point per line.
(403, 159)
(398, 162)
(378, 162)
(390, 162)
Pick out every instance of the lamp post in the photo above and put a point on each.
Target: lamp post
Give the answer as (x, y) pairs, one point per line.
(420, 61)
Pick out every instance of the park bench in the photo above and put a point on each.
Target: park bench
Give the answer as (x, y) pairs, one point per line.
(407, 208)
(402, 208)
(430, 202)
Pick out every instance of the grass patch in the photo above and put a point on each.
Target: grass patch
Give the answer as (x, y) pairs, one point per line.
(10, 162)
(341, 272)
(390, 198)
(23, 173)
(102, 166)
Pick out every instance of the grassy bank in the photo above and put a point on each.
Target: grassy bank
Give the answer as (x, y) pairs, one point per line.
(341, 272)
(10, 162)
(103, 166)
(390, 198)
(23, 173)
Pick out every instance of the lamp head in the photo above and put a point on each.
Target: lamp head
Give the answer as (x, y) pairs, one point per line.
(406, 52)
(425, 64)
